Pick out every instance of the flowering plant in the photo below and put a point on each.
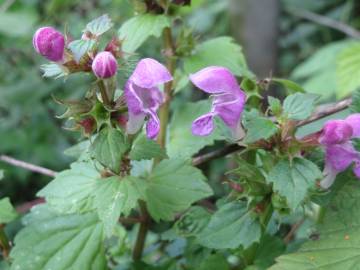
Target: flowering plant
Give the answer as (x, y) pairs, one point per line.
(136, 196)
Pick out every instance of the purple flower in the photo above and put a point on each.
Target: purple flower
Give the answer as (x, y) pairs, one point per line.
(228, 99)
(104, 65)
(50, 43)
(143, 97)
(339, 151)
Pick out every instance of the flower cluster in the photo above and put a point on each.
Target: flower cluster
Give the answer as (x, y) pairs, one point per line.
(339, 151)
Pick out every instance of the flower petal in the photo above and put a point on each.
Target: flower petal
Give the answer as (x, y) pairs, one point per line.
(135, 122)
(329, 176)
(152, 126)
(340, 156)
(335, 132)
(229, 108)
(215, 80)
(203, 125)
(354, 121)
(150, 73)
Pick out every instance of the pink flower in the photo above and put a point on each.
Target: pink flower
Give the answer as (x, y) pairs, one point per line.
(228, 99)
(339, 151)
(50, 43)
(104, 65)
(144, 98)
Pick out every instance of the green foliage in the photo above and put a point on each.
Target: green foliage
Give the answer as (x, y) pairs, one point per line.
(172, 187)
(53, 70)
(192, 222)
(7, 211)
(182, 143)
(21, 23)
(299, 106)
(275, 106)
(144, 148)
(100, 25)
(80, 47)
(214, 262)
(291, 86)
(259, 128)
(336, 243)
(355, 102)
(233, 225)
(50, 241)
(72, 190)
(109, 147)
(137, 30)
(221, 51)
(115, 196)
(292, 179)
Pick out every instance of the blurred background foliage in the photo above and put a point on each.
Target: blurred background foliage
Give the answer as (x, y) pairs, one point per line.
(293, 36)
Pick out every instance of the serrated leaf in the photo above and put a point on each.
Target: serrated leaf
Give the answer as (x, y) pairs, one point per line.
(72, 190)
(231, 226)
(290, 85)
(109, 147)
(337, 245)
(115, 196)
(80, 47)
(348, 70)
(53, 70)
(293, 179)
(7, 211)
(299, 106)
(275, 105)
(50, 241)
(99, 25)
(172, 187)
(138, 29)
(192, 222)
(221, 51)
(143, 148)
(259, 128)
(182, 143)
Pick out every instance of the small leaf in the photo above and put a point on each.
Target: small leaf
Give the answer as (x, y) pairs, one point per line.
(172, 187)
(109, 148)
(144, 148)
(80, 47)
(293, 180)
(54, 70)
(259, 128)
(7, 211)
(138, 29)
(115, 196)
(275, 105)
(72, 190)
(289, 85)
(231, 226)
(299, 106)
(50, 241)
(207, 54)
(99, 25)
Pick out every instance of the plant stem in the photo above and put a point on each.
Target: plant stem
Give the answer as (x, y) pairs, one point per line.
(4, 242)
(169, 53)
(103, 93)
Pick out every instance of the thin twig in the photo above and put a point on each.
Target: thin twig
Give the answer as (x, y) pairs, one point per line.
(293, 230)
(27, 166)
(326, 21)
(320, 112)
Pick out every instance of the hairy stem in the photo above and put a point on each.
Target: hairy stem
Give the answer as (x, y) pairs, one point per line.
(103, 92)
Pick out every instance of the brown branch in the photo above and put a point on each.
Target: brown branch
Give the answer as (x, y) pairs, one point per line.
(326, 21)
(27, 166)
(320, 112)
(293, 230)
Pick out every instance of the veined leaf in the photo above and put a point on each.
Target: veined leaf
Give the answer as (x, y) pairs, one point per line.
(80, 47)
(259, 128)
(99, 25)
(7, 211)
(299, 106)
(144, 148)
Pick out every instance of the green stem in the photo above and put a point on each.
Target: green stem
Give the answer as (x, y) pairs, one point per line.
(4, 242)
(164, 118)
(103, 93)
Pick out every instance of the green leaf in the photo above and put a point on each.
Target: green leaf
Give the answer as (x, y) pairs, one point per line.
(299, 106)
(109, 147)
(192, 222)
(172, 187)
(100, 25)
(355, 102)
(214, 262)
(293, 179)
(182, 143)
(7, 211)
(138, 29)
(57, 242)
(115, 196)
(221, 51)
(54, 70)
(1, 174)
(275, 105)
(337, 245)
(269, 248)
(72, 190)
(348, 69)
(80, 47)
(288, 84)
(259, 128)
(230, 227)
(144, 148)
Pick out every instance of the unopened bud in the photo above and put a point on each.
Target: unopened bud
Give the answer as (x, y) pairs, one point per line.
(50, 43)
(104, 65)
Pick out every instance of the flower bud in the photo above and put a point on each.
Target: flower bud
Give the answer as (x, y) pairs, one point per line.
(335, 132)
(50, 43)
(104, 65)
